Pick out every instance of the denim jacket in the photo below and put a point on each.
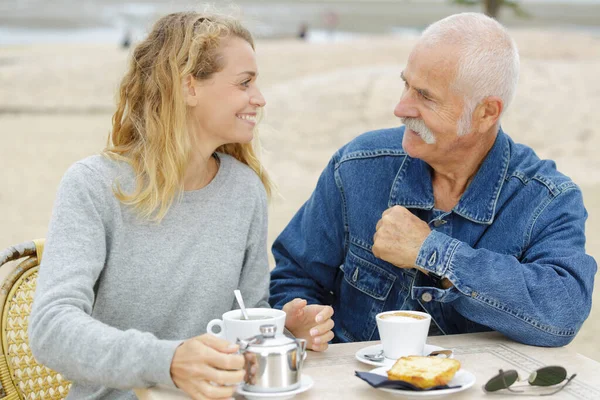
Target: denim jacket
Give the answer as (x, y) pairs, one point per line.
(513, 246)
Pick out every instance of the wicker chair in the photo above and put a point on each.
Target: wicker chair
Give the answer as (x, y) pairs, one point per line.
(21, 377)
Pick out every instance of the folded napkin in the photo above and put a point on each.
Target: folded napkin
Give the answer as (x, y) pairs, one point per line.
(378, 381)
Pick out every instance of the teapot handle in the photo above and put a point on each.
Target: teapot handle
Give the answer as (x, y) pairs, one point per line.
(302, 343)
(301, 352)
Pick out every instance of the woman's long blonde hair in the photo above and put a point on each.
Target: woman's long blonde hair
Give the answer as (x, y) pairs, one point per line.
(149, 127)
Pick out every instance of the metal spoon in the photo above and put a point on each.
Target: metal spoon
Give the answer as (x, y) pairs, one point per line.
(445, 353)
(240, 300)
(378, 357)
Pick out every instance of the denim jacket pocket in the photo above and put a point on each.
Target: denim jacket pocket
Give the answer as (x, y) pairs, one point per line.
(365, 288)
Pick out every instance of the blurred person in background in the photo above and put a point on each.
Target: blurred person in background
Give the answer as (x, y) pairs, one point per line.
(445, 214)
(148, 240)
(303, 31)
(126, 41)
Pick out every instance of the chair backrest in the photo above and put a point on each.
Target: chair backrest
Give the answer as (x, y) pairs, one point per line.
(21, 376)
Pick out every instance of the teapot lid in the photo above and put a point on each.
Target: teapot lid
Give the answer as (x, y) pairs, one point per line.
(267, 338)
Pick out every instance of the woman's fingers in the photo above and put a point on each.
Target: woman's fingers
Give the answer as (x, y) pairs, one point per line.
(210, 391)
(205, 368)
(222, 377)
(218, 344)
(227, 362)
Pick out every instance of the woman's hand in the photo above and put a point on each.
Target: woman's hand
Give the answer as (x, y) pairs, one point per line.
(310, 322)
(206, 368)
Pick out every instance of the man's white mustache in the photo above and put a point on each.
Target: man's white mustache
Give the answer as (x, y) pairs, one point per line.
(417, 125)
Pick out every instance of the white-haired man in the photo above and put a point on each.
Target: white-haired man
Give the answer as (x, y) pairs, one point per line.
(446, 214)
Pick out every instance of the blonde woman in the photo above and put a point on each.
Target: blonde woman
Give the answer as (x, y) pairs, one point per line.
(148, 240)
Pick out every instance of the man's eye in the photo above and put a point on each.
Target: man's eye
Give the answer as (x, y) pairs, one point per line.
(246, 83)
(422, 95)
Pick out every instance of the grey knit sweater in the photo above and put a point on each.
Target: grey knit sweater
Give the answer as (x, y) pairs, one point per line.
(116, 294)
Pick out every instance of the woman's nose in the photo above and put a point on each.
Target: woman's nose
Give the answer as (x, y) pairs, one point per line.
(258, 99)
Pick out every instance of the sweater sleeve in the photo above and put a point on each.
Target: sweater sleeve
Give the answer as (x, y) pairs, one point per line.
(254, 279)
(63, 334)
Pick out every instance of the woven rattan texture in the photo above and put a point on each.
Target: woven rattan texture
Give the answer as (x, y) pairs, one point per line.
(34, 380)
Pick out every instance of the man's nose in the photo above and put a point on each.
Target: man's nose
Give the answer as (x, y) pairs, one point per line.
(406, 109)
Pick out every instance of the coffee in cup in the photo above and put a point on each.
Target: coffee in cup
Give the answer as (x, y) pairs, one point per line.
(402, 314)
(254, 317)
(403, 333)
(233, 326)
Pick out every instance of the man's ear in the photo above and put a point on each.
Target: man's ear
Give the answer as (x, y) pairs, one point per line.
(189, 90)
(488, 113)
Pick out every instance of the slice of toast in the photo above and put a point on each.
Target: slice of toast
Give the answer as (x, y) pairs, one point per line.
(424, 372)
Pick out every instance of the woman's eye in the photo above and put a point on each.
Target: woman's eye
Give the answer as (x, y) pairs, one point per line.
(246, 83)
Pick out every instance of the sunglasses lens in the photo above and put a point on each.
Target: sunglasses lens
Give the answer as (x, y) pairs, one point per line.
(548, 376)
(501, 381)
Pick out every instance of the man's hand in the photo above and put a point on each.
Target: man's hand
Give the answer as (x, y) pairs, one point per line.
(206, 368)
(399, 236)
(312, 323)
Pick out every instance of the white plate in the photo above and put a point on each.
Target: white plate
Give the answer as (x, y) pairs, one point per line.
(463, 378)
(388, 362)
(305, 384)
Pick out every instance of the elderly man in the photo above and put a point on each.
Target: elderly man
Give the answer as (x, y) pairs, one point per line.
(446, 214)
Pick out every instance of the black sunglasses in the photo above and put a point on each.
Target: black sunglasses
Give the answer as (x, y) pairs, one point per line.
(546, 376)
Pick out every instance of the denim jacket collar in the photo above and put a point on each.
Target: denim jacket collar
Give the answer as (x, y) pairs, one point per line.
(477, 204)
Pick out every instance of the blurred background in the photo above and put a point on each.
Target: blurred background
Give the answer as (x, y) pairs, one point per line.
(329, 71)
(29, 21)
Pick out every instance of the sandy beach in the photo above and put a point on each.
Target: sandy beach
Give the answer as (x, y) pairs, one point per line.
(56, 103)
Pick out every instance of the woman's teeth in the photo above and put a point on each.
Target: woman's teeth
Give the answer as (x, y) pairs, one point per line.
(247, 117)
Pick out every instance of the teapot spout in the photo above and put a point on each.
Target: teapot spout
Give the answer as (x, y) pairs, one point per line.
(245, 343)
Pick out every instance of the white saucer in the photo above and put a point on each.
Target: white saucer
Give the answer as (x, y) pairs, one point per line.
(463, 378)
(305, 384)
(388, 362)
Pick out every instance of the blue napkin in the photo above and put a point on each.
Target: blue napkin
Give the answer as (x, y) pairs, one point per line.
(378, 381)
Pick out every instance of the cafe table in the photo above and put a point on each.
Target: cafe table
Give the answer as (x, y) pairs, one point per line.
(482, 354)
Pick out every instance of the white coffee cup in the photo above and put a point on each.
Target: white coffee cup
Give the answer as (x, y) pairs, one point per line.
(234, 326)
(403, 333)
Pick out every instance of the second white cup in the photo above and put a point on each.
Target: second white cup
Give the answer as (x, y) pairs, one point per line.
(403, 333)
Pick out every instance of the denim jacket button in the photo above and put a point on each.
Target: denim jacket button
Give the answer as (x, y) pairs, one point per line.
(438, 222)
(426, 297)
